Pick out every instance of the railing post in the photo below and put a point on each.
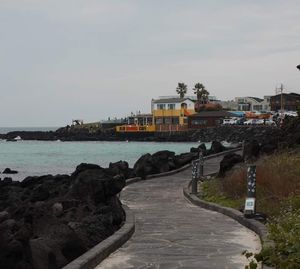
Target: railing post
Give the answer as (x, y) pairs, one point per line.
(195, 165)
(250, 205)
(197, 172)
(201, 165)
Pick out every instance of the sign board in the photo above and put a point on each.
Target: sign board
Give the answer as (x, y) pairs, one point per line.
(250, 205)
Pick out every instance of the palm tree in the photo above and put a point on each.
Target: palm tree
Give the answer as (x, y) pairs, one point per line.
(181, 89)
(201, 92)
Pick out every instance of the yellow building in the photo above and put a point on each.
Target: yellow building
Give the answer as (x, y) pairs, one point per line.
(169, 114)
(171, 110)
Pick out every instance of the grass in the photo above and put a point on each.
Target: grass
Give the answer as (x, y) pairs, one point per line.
(278, 196)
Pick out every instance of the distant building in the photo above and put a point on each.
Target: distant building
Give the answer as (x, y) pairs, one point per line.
(140, 119)
(253, 103)
(290, 101)
(172, 110)
(229, 105)
(205, 119)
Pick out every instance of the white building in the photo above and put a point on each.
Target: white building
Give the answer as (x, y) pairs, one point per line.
(253, 103)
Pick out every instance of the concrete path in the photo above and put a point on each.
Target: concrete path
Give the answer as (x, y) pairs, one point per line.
(172, 233)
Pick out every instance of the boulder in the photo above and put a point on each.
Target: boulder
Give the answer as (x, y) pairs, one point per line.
(184, 158)
(119, 168)
(35, 217)
(85, 166)
(6, 181)
(95, 185)
(163, 161)
(57, 209)
(251, 151)
(9, 171)
(144, 166)
(229, 161)
(216, 147)
(200, 148)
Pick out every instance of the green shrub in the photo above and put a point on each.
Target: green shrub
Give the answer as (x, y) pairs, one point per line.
(285, 232)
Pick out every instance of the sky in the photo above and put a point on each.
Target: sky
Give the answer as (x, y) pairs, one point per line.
(93, 59)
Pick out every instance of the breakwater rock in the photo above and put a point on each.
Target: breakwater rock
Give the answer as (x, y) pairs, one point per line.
(220, 133)
(47, 221)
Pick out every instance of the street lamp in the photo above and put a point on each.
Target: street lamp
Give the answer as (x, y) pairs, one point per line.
(298, 66)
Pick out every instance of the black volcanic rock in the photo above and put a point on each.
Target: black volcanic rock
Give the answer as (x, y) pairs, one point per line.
(229, 161)
(9, 171)
(184, 158)
(251, 151)
(45, 222)
(159, 162)
(144, 166)
(119, 168)
(216, 147)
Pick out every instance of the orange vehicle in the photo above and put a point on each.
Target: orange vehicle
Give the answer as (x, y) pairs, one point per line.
(255, 115)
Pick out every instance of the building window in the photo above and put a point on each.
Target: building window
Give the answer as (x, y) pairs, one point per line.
(161, 106)
(199, 122)
(171, 106)
(159, 121)
(257, 107)
(168, 120)
(176, 120)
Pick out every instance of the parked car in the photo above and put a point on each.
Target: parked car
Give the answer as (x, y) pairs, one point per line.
(254, 122)
(230, 121)
(270, 122)
(240, 121)
(249, 122)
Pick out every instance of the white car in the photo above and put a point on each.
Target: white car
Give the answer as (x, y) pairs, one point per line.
(270, 122)
(229, 121)
(254, 122)
(259, 121)
(291, 113)
(249, 122)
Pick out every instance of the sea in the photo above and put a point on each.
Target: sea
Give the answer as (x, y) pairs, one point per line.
(35, 158)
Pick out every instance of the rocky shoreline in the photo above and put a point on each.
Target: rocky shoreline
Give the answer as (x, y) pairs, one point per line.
(221, 133)
(47, 221)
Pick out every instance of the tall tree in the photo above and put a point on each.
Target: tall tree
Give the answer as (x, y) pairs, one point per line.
(181, 89)
(201, 92)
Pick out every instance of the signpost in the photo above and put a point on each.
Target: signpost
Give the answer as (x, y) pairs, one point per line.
(197, 172)
(195, 165)
(250, 206)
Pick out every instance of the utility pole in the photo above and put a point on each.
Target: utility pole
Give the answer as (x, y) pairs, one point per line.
(280, 90)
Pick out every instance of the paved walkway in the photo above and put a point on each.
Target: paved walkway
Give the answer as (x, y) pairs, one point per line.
(172, 233)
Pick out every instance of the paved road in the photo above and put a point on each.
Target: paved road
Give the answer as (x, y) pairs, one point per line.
(172, 233)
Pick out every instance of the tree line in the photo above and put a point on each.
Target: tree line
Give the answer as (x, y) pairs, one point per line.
(199, 89)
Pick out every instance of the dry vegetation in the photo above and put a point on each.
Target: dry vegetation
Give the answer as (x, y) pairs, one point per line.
(278, 196)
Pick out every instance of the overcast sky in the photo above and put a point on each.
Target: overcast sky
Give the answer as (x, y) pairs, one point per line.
(90, 59)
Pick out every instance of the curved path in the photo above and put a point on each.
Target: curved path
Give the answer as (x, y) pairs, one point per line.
(172, 233)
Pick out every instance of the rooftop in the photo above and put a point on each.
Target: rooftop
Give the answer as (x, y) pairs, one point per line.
(171, 100)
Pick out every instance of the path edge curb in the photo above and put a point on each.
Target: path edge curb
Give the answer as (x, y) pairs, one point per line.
(98, 253)
(254, 225)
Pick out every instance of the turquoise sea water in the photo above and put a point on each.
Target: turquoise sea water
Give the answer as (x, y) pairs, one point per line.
(53, 157)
